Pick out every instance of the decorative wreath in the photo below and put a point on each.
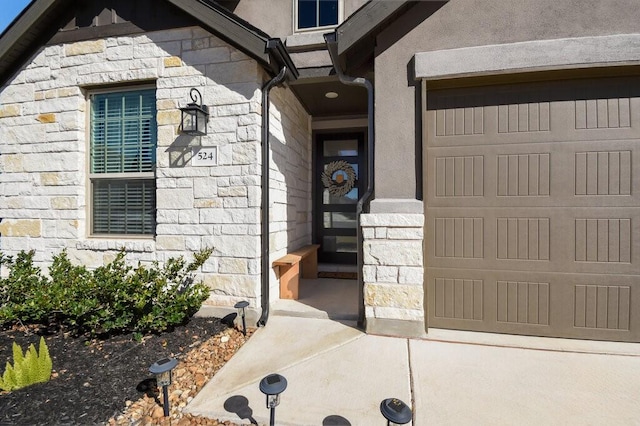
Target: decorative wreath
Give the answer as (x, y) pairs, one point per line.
(335, 182)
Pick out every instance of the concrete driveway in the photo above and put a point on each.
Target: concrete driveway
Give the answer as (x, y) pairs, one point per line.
(338, 375)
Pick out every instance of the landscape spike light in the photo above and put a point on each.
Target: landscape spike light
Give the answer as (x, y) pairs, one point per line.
(395, 411)
(272, 386)
(162, 370)
(240, 307)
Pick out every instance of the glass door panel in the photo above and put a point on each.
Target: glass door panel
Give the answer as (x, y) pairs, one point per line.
(339, 180)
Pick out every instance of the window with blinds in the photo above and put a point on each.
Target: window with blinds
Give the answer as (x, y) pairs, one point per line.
(122, 162)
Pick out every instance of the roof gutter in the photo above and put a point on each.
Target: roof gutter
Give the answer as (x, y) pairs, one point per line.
(287, 71)
(332, 46)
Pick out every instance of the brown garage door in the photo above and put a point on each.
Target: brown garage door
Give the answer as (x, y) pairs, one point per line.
(532, 209)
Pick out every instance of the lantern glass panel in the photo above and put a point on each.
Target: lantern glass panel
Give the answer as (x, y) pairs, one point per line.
(273, 400)
(164, 378)
(189, 120)
(201, 122)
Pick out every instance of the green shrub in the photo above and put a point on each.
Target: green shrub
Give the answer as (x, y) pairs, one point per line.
(28, 368)
(23, 293)
(69, 291)
(113, 298)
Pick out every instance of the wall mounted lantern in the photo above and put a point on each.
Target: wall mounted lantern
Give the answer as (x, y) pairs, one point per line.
(395, 411)
(162, 370)
(272, 386)
(194, 116)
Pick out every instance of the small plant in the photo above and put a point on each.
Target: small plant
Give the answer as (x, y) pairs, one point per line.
(28, 368)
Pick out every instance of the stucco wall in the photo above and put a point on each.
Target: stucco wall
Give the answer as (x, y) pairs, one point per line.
(463, 23)
(44, 143)
(275, 17)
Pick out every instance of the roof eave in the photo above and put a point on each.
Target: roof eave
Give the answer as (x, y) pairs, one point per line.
(365, 21)
(269, 52)
(249, 39)
(22, 23)
(368, 21)
(282, 58)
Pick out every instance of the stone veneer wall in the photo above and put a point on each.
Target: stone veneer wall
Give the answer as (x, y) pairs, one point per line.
(393, 273)
(290, 178)
(43, 155)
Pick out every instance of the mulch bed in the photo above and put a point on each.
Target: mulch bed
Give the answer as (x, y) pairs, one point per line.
(99, 381)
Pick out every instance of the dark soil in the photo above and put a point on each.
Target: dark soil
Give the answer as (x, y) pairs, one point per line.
(92, 379)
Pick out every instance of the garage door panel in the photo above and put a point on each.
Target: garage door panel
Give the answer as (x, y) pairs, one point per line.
(534, 303)
(572, 174)
(602, 307)
(538, 112)
(580, 240)
(532, 207)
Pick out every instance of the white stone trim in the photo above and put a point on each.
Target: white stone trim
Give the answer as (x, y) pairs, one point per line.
(539, 55)
(398, 220)
(396, 205)
(309, 39)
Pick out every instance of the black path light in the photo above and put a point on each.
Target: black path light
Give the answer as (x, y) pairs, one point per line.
(194, 116)
(240, 307)
(272, 386)
(395, 411)
(162, 370)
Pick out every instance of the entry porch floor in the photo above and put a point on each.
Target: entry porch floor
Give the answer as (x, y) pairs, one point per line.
(327, 298)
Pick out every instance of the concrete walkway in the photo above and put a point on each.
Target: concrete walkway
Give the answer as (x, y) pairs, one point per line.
(338, 375)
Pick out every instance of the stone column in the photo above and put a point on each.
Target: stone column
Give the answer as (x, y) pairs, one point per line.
(393, 234)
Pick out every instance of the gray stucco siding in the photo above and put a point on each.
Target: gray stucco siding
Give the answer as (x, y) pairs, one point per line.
(463, 24)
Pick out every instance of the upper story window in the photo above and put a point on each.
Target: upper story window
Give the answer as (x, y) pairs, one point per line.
(122, 162)
(312, 14)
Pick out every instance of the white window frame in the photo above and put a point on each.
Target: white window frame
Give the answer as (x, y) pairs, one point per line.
(90, 177)
(312, 29)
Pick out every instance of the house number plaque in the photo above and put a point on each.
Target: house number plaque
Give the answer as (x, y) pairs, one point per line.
(204, 156)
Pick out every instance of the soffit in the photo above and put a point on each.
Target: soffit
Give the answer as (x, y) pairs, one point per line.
(30, 28)
(351, 100)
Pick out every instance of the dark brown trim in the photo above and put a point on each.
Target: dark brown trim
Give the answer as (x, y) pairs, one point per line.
(23, 23)
(29, 31)
(281, 57)
(370, 20)
(89, 33)
(365, 21)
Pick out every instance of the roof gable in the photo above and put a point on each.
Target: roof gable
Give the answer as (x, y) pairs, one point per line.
(58, 21)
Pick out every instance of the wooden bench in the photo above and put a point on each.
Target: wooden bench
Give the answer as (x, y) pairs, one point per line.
(289, 268)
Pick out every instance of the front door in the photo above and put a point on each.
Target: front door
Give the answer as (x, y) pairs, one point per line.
(339, 180)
